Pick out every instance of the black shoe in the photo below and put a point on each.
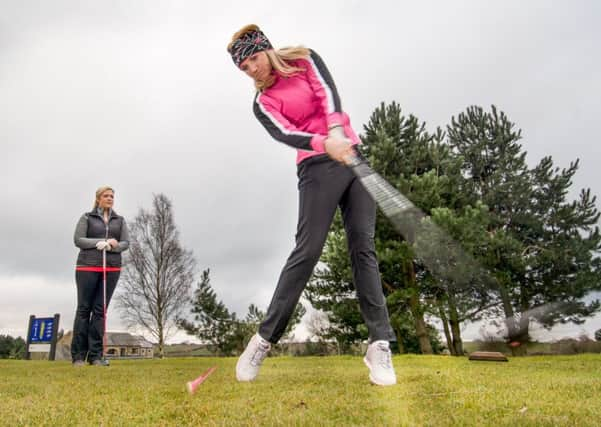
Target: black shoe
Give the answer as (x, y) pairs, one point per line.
(100, 362)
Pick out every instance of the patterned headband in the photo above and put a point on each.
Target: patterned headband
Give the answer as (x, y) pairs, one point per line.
(247, 45)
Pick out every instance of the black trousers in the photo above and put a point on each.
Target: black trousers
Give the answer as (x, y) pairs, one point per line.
(88, 326)
(324, 185)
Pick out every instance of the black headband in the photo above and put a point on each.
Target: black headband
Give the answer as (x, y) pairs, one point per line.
(247, 45)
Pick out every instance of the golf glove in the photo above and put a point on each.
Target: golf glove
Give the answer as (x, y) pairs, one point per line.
(102, 245)
(337, 132)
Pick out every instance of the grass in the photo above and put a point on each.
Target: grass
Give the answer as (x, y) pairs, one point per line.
(311, 391)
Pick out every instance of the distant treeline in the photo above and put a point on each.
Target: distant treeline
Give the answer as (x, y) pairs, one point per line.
(12, 348)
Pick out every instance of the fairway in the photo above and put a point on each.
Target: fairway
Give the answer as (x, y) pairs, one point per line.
(432, 391)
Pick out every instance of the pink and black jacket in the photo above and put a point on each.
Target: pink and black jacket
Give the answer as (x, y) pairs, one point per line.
(297, 110)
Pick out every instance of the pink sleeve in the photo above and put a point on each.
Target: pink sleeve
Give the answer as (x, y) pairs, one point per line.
(325, 90)
(282, 130)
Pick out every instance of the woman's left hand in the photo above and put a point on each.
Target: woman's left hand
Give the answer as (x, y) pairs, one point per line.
(339, 149)
(114, 243)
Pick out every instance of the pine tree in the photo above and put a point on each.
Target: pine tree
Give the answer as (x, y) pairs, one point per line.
(563, 244)
(541, 249)
(414, 161)
(213, 323)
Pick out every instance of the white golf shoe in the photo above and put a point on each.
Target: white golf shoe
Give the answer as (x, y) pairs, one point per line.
(378, 359)
(251, 359)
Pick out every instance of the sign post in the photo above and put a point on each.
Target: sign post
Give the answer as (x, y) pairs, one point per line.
(42, 334)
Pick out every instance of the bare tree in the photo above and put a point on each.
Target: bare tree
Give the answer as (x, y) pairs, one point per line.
(317, 326)
(158, 273)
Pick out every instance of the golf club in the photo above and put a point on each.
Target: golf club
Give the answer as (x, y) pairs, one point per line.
(104, 341)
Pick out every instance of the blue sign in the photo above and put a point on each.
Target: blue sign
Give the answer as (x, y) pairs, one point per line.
(41, 330)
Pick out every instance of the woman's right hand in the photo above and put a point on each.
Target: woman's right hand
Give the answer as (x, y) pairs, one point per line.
(102, 245)
(339, 149)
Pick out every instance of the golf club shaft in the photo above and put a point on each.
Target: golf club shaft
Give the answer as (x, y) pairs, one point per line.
(104, 303)
(451, 265)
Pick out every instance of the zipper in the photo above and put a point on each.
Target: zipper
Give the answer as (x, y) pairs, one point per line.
(106, 225)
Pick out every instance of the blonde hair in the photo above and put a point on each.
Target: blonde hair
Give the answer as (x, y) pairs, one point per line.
(279, 59)
(99, 193)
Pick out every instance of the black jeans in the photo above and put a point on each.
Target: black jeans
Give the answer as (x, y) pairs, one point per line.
(324, 185)
(88, 327)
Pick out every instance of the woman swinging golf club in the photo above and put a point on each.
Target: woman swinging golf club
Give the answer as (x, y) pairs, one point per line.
(297, 103)
(101, 235)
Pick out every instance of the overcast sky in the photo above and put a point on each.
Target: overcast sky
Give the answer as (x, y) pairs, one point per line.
(142, 96)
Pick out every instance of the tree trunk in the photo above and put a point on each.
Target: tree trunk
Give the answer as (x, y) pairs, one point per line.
(455, 327)
(161, 347)
(508, 310)
(161, 333)
(399, 341)
(420, 324)
(524, 324)
(512, 328)
(445, 326)
(516, 333)
(522, 339)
